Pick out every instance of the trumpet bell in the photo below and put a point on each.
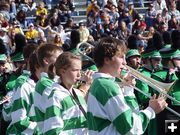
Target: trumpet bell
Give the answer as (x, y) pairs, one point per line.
(162, 87)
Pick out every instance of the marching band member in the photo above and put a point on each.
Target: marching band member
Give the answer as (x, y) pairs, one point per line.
(66, 110)
(47, 55)
(22, 111)
(133, 58)
(108, 112)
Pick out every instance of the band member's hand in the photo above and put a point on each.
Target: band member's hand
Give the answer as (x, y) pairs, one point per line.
(129, 80)
(157, 104)
(6, 99)
(87, 76)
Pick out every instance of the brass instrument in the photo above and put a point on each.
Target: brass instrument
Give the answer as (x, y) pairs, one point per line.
(85, 48)
(163, 88)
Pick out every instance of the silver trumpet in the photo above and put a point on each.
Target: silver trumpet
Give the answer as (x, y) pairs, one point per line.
(161, 88)
(85, 48)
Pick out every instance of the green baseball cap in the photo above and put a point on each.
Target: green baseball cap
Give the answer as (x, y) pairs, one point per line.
(152, 54)
(3, 58)
(171, 54)
(132, 52)
(18, 57)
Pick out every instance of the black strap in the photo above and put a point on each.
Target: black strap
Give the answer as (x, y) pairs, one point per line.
(75, 97)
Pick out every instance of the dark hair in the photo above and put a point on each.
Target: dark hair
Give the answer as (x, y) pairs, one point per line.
(166, 37)
(132, 42)
(175, 36)
(28, 50)
(63, 62)
(158, 40)
(33, 63)
(46, 51)
(2, 47)
(107, 48)
(20, 42)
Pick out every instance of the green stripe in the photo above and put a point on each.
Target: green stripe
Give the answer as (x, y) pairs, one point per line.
(39, 115)
(19, 104)
(145, 121)
(126, 120)
(96, 123)
(75, 123)
(7, 110)
(132, 102)
(43, 84)
(109, 87)
(52, 111)
(19, 126)
(55, 131)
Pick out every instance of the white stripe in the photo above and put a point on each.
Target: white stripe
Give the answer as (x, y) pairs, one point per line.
(52, 123)
(116, 106)
(79, 131)
(18, 115)
(149, 113)
(30, 129)
(95, 107)
(72, 112)
(39, 102)
(137, 125)
(110, 130)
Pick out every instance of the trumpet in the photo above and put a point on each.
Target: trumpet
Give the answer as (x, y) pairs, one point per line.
(163, 88)
(85, 48)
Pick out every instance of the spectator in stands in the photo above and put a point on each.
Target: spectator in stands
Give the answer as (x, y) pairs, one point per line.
(4, 9)
(69, 25)
(132, 39)
(41, 9)
(150, 32)
(114, 15)
(28, 6)
(108, 6)
(163, 27)
(125, 17)
(4, 36)
(66, 7)
(58, 41)
(21, 18)
(150, 15)
(91, 6)
(165, 15)
(174, 11)
(84, 32)
(158, 21)
(94, 16)
(32, 33)
(172, 23)
(121, 7)
(3, 21)
(110, 30)
(55, 20)
(122, 31)
(159, 5)
(132, 11)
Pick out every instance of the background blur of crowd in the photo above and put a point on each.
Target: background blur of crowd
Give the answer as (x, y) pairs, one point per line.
(51, 21)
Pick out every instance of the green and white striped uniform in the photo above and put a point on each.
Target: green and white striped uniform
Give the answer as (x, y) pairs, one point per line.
(109, 112)
(18, 83)
(42, 91)
(63, 116)
(23, 110)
